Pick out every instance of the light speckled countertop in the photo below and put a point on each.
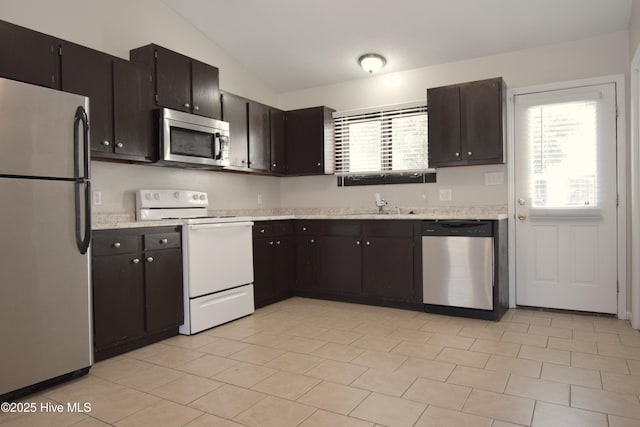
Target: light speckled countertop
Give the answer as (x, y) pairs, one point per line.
(111, 220)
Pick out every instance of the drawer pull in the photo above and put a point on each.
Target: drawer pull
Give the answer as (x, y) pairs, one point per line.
(164, 241)
(150, 259)
(135, 261)
(117, 245)
(119, 145)
(313, 241)
(262, 230)
(278, 242)
(271, 243)
(106, 143)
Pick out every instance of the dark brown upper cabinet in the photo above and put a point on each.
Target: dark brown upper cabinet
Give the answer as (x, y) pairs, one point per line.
(181, 83)
(119, 108)
(278, 158)
(249, 130)
(306, 130)
(466, 123)
(28, 56)
(234, 111)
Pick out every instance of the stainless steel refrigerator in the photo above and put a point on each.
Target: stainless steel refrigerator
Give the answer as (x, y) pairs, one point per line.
(45, 220)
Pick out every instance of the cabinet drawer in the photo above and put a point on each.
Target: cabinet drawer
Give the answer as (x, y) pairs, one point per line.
(261, 229)
(307, 227)
(386, 228)
(161, 241)
(284, 228)
(115, 243)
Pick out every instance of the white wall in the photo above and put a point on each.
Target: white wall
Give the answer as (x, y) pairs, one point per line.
(115, 27)
(569, 61)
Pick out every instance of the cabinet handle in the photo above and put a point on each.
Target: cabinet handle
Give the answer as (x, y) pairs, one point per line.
(187, 105)
(150, 259)
(304, 228)
(262, 230)
(357, 242)
(195, 107)
(164, 241)
(106, 143)
(250, 162)
(271, 243)
(116, 245)
(119, 145)
(274, 165)
(135, 261)
(457, 154)
(278, 242)
(470, 153)
(313, 241)
(368, 243)
(318, 164)
(243, 162)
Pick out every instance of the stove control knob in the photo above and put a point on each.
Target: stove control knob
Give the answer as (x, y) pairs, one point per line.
(176, 194)
(202, 197)
(156, 196)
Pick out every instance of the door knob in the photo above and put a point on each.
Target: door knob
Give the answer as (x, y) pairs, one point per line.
(522, 216)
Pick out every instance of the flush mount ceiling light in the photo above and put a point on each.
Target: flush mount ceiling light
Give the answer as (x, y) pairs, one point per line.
(372, 62)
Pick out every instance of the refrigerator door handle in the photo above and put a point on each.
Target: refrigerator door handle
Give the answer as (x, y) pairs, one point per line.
(82, 239)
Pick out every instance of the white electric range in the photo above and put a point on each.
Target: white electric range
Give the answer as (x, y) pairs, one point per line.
(217, 254)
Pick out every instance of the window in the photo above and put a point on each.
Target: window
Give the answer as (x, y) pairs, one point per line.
(389, 141)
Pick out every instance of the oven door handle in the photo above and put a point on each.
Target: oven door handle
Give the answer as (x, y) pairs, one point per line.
(220, 225)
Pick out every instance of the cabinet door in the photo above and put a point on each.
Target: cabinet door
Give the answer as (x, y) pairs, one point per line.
(305, 141)
(132, 88)
(263, 267)
(306, 261)
(388, 268)
(278, 148)
(28, 56)
(340, 264)
(118, 299)
(482, 121)
(444, 126)
(234, 111)
(163, 289)
(258, 136)
(89, 72)
(173, 80)
(205, 92)
(283, 265)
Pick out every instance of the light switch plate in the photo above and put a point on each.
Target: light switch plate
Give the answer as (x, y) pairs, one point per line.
(494, 178)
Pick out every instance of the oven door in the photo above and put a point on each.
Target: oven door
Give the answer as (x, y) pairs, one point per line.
(217, 257)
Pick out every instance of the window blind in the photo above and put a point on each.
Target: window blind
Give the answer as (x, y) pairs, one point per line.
(390, 140)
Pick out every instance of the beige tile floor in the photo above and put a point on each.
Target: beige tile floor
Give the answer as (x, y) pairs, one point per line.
(311, 363)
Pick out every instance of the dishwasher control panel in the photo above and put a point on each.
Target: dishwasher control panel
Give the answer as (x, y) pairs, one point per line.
(457, 228)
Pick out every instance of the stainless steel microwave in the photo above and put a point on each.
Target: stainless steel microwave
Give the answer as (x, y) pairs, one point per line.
(192, 141)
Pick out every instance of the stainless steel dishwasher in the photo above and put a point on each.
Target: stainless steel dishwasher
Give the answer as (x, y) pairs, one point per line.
(458, 264)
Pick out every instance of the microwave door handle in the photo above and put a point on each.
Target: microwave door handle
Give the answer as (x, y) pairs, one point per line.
(217, 147)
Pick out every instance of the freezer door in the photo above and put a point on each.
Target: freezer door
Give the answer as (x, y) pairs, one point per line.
(36, 130)
(44, 285)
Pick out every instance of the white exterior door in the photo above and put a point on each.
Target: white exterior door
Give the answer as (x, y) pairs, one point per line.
(566, 197)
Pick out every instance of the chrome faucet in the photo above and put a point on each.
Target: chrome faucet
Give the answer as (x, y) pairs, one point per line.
(380, 203)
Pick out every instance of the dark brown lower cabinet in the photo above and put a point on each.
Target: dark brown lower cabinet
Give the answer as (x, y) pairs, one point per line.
(137, 288)
(273, 261)
(376, 262)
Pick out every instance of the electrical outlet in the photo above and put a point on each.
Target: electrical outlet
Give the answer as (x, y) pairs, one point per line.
(445, 194)
(97, 198)
(259, 199)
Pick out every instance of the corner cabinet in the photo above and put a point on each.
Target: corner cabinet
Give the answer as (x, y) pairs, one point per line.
(467, 123)
(181, 83)
(137, 288)
(306, 132)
